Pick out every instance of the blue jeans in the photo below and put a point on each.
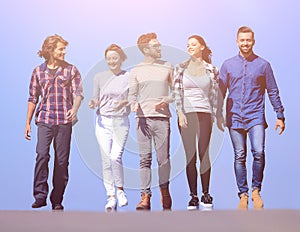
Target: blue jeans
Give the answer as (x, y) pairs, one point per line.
(239, 141)
(60, 136)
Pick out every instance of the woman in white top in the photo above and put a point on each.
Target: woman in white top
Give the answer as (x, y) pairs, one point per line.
(196, 91)
(112, 123)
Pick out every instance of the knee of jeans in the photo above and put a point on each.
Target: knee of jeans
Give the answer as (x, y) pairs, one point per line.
(44, 157)
(145, 162)
(62, 163)
(258, 155)
(240, 156)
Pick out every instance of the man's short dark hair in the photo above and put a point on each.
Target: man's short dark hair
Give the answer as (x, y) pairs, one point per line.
(245, 29)
(144, 40)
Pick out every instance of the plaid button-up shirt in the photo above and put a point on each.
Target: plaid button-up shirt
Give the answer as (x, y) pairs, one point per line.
(57, 91)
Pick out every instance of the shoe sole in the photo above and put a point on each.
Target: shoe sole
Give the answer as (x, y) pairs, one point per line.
(110, 209)
(38, 206)
(58, 209)
(205, 205)
(122, 205)
(193, 207)
(143, 209)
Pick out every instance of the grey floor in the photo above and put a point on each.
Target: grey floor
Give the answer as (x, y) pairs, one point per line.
(186, 221)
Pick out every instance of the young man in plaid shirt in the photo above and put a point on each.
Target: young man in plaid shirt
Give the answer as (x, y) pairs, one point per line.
(58, 86)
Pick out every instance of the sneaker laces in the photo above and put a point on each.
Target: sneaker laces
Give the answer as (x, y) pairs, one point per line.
(121, 195)
(194, 200)
(111, 202)
(207, 198)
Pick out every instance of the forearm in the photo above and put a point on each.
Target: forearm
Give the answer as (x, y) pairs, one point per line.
(30, 111)
(76, 103)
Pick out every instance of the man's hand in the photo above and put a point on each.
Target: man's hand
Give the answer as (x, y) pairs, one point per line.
(161, 105)
(134, 107)
(72, 116)
(27, 133)
(280, 123)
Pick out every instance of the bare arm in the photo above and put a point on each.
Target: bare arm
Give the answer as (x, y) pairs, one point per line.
(94, 102)
(30, 110)
(72, 113)
(77, 96)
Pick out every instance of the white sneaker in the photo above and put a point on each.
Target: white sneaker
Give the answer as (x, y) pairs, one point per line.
(111, 205)
(122, 199)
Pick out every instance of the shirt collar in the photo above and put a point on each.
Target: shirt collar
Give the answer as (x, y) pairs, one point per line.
(59, 69)
(249, 58)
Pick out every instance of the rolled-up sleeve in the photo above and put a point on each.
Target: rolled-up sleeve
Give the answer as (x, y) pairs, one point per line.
(77, 89)
(34, 89)
(178, 89)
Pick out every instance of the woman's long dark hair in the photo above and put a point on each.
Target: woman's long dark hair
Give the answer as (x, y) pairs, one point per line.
(206, 53)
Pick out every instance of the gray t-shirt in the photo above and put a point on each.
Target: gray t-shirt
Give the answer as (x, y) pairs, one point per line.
(109, 88)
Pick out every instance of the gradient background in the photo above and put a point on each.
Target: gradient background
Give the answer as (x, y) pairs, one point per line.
(90, 26)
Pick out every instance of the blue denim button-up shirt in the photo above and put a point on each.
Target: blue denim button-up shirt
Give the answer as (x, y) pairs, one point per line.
(246, 81)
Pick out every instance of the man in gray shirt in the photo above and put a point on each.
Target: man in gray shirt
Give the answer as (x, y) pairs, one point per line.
(149, 87)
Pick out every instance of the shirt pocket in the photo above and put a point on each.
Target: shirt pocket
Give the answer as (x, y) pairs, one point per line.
(258, 80)
(63, 81)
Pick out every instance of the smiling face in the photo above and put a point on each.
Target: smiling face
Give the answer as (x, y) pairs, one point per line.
(59, 52)
(245, 42)
(194, 48)
(113, 60)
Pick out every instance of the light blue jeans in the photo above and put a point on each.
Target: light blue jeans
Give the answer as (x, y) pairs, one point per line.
(239, 141)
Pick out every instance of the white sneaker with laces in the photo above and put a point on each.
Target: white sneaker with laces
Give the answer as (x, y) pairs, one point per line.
(122, 199)
(111, 205)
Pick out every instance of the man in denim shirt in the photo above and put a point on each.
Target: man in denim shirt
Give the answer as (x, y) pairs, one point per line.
(247, 77)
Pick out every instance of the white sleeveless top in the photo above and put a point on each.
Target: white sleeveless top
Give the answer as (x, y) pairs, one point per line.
(196, 93)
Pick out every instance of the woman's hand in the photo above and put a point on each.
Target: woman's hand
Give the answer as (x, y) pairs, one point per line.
(93, 104)
(182, 119)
